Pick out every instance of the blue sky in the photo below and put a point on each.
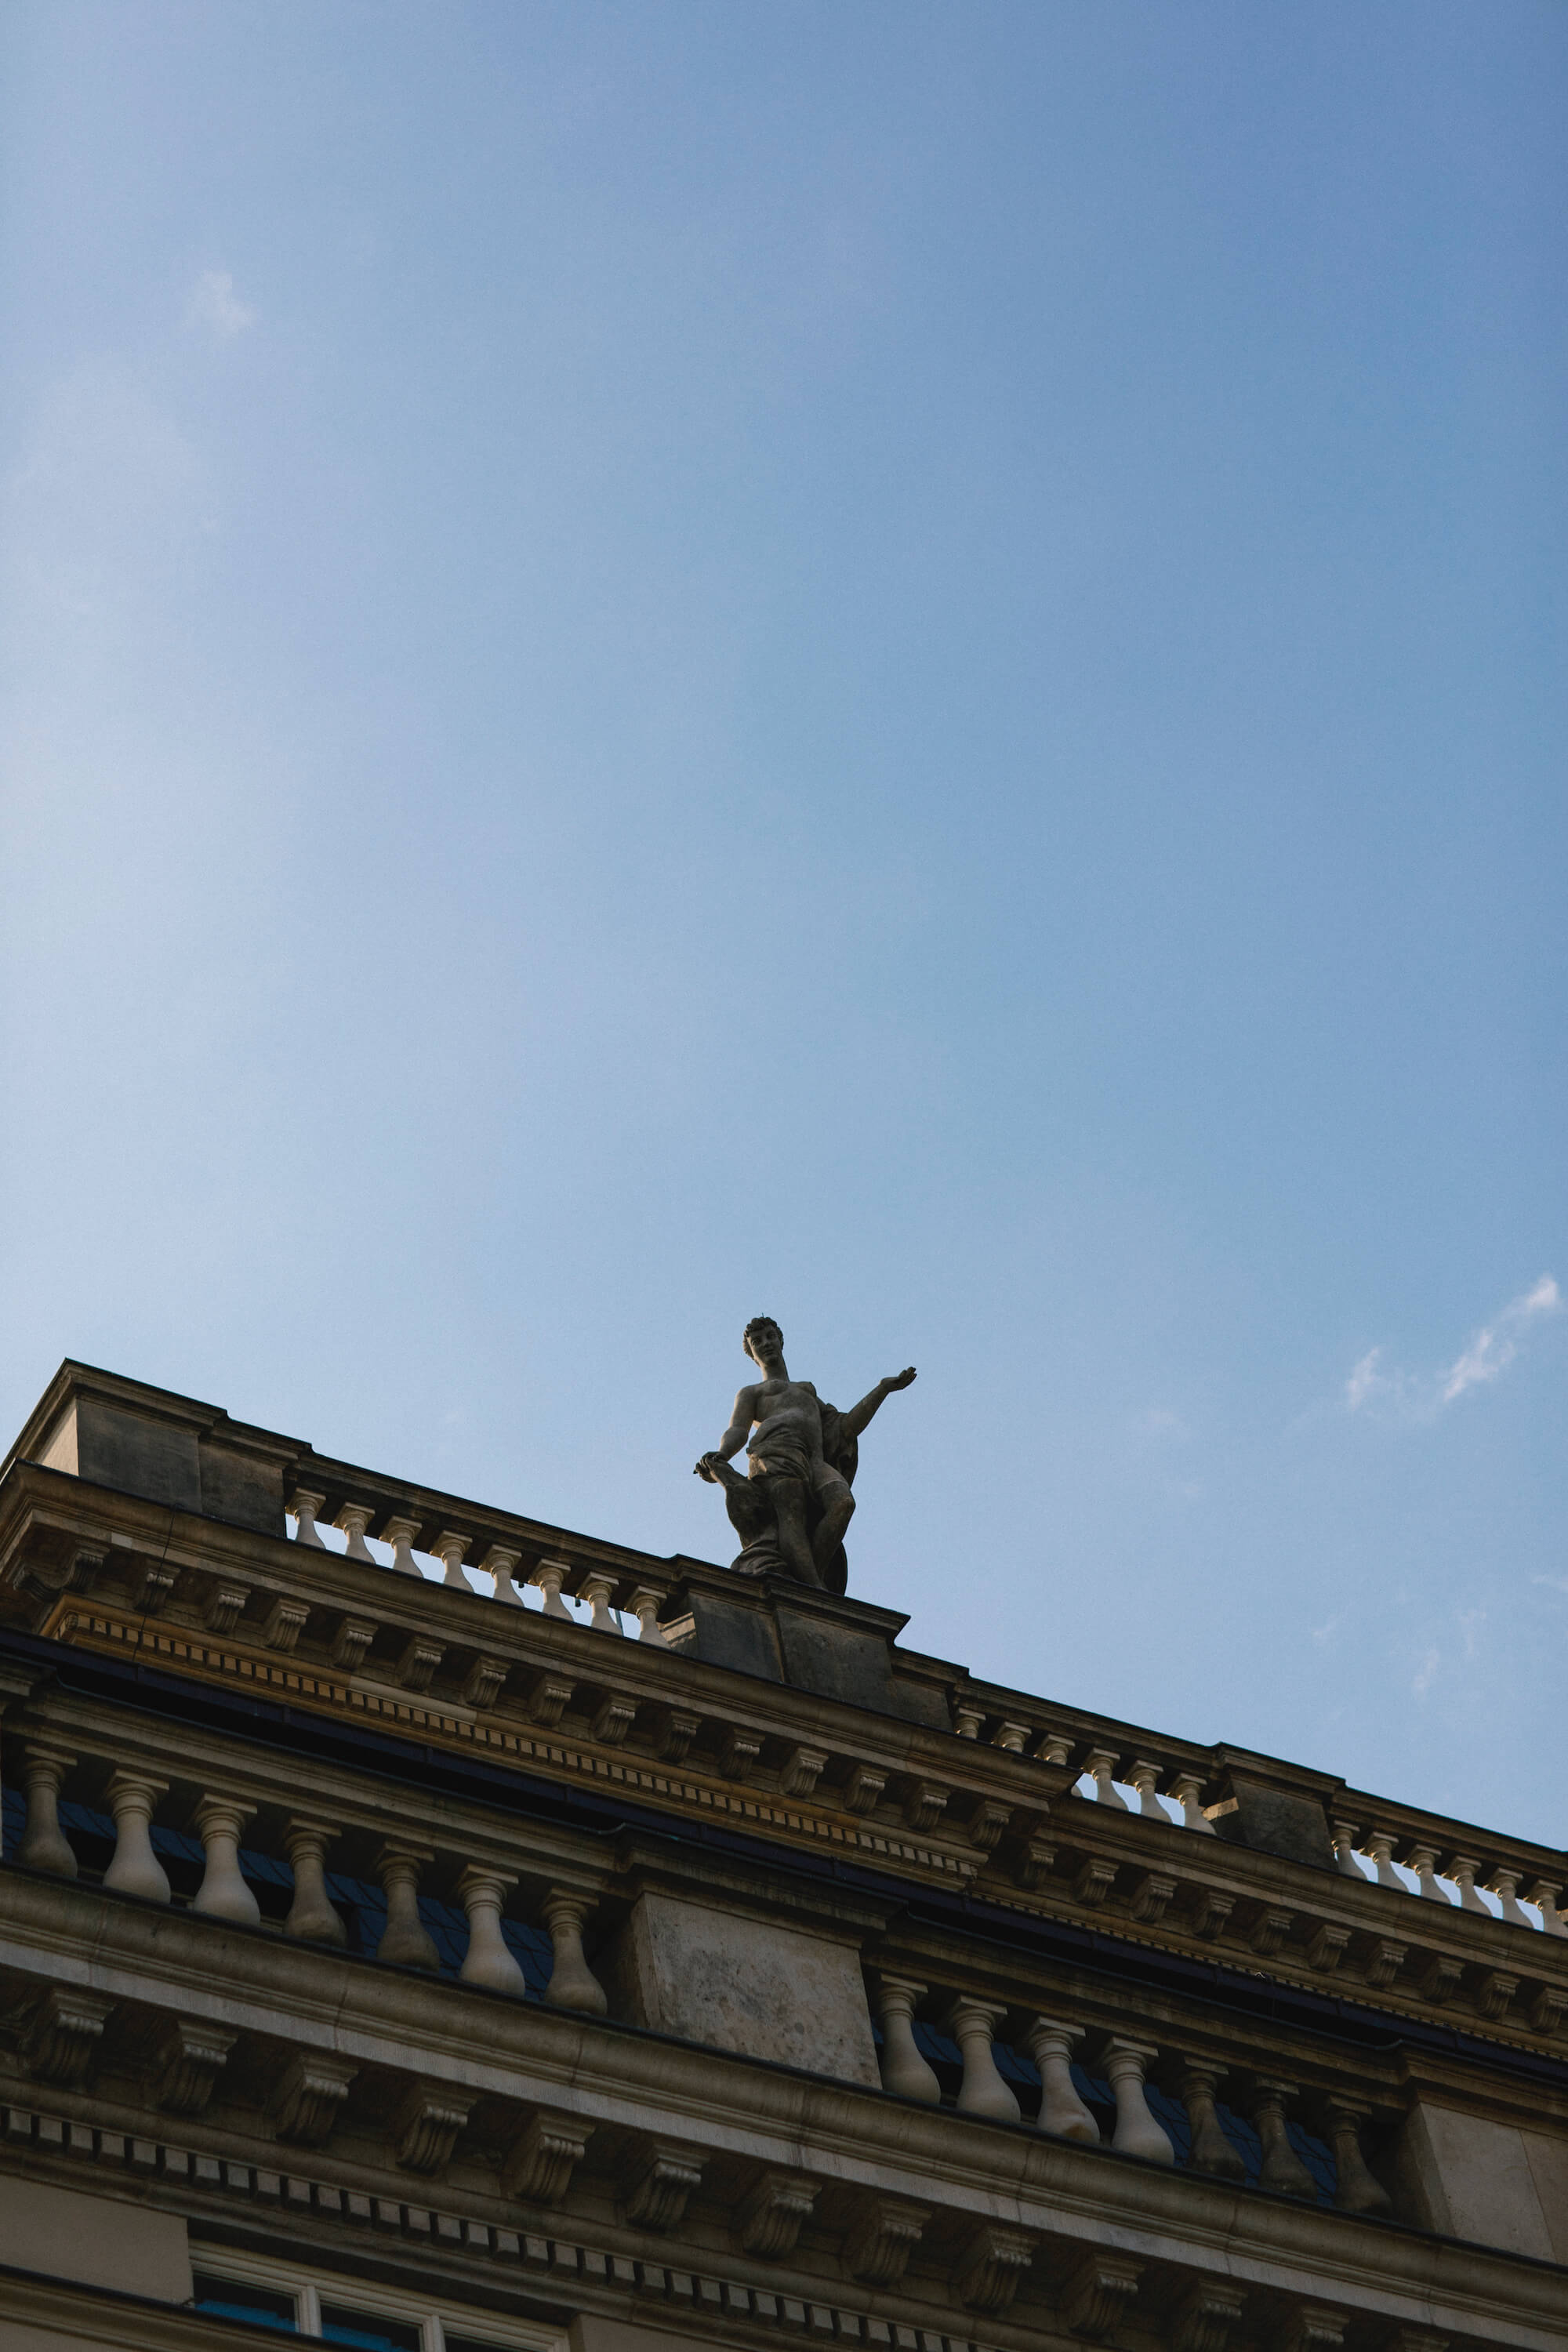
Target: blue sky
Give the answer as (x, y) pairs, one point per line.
(898, 666)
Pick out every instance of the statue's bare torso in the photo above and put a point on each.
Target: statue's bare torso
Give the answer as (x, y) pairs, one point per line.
(785, 1422)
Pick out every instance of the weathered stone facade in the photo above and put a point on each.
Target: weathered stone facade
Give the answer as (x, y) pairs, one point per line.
(384, 1959)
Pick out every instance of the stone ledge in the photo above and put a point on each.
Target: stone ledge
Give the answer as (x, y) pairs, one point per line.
(207, 2185)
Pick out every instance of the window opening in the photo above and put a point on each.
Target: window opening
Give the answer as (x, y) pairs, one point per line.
(264, 2306)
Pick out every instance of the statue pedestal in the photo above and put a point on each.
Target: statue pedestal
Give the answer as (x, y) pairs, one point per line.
(787, 1633)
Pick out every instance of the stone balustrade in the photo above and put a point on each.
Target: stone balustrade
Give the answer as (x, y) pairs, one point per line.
(1086, 1816)
(608, 1592)
(1174, 1790)
(1132, 2092)
(1444, 1862)
(1393, 1847)
(233, 1854)
(220, 1872)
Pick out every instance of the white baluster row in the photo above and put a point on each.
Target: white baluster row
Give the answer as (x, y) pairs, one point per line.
(971, 2022)
(1184, 1788)
(1125, 2061)
(1429, 1865)
(500, 1564)
(219, 1821)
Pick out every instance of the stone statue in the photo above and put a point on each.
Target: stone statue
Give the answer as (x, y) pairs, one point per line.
(791, 1510)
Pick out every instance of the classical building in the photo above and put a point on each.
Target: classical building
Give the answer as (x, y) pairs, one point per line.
(687, 1962)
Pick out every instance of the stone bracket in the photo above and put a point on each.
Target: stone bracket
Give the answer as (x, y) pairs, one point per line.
(427, 2126)
(770, 2218)
(64, 2035)
(193, 2055)
(309, 2098)
(658, 2184)
(542, 2160)
(350, 1642)
(884, 2234)
(1097, 2294)
(992, 2262)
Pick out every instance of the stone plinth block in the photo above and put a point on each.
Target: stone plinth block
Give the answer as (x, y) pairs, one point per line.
(744, 1984)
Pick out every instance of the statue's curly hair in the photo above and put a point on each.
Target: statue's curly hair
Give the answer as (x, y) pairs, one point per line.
(756, 1324)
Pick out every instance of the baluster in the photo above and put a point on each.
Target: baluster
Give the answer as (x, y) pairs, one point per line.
(1543, 1894)
(1462, 1871)
(499, 1565)
(1424, 1863)
(1099, 1764)
(972, 2024)
(904, 2072)
(353, 1520)
(966, 1722)
(573, 1984)
(1050, 2044)
(135, 1868)
(1356, 2191)
(311, 1917)
(550, 1575)
(304, 1507)
(1055, 1750)
(404, 1940)
(1380, 1847)
(400, 1534)
(1504, 1885)
(1345, 1834)
(596, 1590)
(45, 1845)
(488, 1960)
(1186, 1788)
(1282, 2168)
(645, 1605)
(223, 1893)
(1213, 2150)
(449, 1550)
(1145, 1779)
(1137, 2133)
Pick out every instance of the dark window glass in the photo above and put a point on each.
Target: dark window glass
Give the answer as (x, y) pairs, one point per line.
(264, 2306)
(367, 2328)
(466, 2342)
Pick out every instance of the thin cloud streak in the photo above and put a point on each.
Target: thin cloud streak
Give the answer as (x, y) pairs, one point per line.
(1495, 1346)
(1485, 1360)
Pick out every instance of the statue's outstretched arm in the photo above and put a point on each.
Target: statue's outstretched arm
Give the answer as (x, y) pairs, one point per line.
(853, 1421)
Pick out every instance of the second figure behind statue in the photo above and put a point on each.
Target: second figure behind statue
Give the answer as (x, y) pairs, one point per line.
(791, 1510)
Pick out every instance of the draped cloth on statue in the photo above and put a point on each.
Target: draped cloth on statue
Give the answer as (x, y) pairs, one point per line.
(781, 1451)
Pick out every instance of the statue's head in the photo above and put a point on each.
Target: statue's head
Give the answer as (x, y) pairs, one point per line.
(764, 1329)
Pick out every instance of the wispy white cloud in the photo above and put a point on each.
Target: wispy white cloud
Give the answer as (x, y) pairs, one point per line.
(1495, 1345)
(1425, 1672)
(1160, 1420)
(214, 304)
(1488, 1356)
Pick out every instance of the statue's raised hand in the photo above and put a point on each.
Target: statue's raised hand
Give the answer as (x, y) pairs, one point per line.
(900, 1380)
